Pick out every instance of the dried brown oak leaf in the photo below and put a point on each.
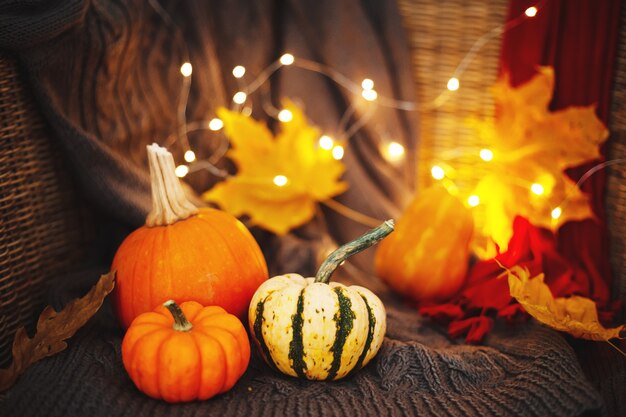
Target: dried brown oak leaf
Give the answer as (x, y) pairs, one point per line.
(53, 329)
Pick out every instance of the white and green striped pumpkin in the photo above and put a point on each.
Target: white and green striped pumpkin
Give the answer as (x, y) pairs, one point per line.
(310, 328)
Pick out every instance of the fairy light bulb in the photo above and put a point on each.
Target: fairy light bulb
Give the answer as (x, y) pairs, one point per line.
(394, 152)
(287, 59)
(240, 97)
(190, 156)
(473, 200)
(186, 69)
(437, 172)
(531, 11)
(369, 95)
(537, 189)
(367, 84)
(216, 124)
(338, 152)
(453, 84)
(556, 213)
(280, 180)
(181, 171)
(239, 71)
(486, 155)
(285, 116)
(326, 143)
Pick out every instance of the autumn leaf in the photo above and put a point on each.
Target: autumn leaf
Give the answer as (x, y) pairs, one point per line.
(53, 329)
(532, 145)
(310, 173)
(575, 315)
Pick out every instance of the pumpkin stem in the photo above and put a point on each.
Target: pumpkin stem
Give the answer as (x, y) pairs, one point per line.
(169, 203)
(344, 252)
(181, 324)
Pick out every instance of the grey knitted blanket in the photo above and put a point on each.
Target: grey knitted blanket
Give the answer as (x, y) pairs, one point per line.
(106, 77)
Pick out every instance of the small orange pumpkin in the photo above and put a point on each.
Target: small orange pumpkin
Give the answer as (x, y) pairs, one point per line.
(185, 253)
(426, 258)
(185, 353)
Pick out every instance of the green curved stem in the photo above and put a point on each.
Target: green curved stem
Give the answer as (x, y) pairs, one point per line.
(181, 324)
(344, 252)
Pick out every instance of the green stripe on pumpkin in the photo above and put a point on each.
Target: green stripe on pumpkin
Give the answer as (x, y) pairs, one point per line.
(258, 333)
(296, 347)
(344, 320)
(370, 335)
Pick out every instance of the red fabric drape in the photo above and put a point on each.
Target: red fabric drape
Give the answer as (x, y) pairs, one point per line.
(579, 39)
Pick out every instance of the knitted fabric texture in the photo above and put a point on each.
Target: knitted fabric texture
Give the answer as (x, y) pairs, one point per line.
(529, 371)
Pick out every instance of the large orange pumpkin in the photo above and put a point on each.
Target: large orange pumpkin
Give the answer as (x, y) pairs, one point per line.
(427, 257)
(184, 253)
(187, 353)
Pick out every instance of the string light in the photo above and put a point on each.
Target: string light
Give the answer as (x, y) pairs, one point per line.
(367, 84)
(186, 69)
(285, 116)
(181, 171)
(393, 152)
(537, 189)
(556, 213)
(326, 143)
(531, 11)
(216, 124)
(367, 91)
(287, 59)
(369, 95)
(338, 152)
(344, 82)
(239, 71)
(453, 84)
(473, 200)
(280, 180)
(437, 172)
(240, 97)
(190, 156)
(486, 155)
(473, 52)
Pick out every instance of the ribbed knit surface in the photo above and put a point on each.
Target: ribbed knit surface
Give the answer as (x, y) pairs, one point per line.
(418, 372)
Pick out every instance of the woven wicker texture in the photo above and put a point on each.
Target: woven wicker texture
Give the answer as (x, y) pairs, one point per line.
(616, 179)
(39, 222)
(440, 33)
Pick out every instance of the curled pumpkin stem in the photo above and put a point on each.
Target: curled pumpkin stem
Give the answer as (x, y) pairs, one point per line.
(181, 324)
(344, 252)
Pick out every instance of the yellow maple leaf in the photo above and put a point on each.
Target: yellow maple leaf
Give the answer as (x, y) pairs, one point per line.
(575, 315)
(532, 145)
(264, 162)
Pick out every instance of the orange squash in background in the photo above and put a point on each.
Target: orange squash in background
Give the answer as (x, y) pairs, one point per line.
(184, 253)
(187, 353)
(427, 256)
